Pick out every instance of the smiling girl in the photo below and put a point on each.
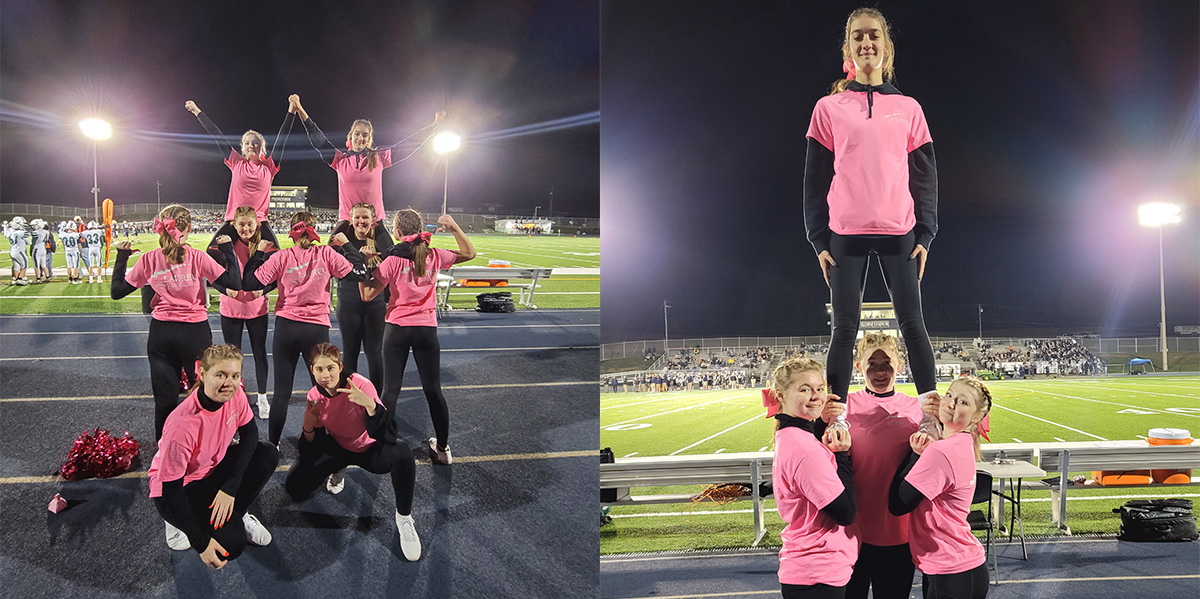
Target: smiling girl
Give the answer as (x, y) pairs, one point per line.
(936, 483)
(812, 484)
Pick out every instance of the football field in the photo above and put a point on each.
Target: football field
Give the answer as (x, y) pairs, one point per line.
(577, 285)
(1026, 411)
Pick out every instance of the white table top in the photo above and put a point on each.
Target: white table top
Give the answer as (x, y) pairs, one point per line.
(1018, 469)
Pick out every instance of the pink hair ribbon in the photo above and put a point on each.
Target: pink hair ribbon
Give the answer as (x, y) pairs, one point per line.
(301, 229)
(167, 225)
(849, 69)
(984, 426)
(424, 237)
(770, 403)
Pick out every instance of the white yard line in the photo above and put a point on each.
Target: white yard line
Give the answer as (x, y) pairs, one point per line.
(683, 409)
(1152, 393)
(658, 399)
(1111, 403)
(1049, 422)
(756, 417)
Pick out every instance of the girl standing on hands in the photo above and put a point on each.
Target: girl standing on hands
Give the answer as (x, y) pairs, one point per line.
(203, 485)
(302, 309)
(812, 485)
(870, 187)
(936, 483)
(360, 166)
(179, 330)
(345, 423)
(412, 316)
(247, 309)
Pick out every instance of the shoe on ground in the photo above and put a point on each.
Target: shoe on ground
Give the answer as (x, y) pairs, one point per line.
(22, 282)
(438, 455)
(264, 406)
(336, 482)
(256, 533)
(176, 540)
(410, 543)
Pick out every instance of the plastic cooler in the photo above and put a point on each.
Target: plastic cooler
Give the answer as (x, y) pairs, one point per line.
(488, 282)
(1157, 436)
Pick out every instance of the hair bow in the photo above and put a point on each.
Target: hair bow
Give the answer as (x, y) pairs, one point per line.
(424, 237)
(301, 229)
(984, 427)
(849, 69)
(167, 225)
(770, 403)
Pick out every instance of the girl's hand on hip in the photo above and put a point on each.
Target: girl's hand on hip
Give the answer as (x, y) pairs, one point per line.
(922, 252)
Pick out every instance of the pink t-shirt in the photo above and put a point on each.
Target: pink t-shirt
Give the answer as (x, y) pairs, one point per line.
(869, 194)
(816, 550)
(880, 428)
(303, 277)
(413, 302)
(194, 440)
(251, 184)
(941, 541)
(343, 419)
(245, 306)
(179, 288)
(357, 184)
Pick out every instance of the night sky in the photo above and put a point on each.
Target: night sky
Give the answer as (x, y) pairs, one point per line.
(494, 66)
(1051, 122)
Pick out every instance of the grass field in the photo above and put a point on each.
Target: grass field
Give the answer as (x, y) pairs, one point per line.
(560, 291)
(1029, 411)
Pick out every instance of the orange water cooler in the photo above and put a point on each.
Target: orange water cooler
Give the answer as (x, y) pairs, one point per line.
(1157, 436)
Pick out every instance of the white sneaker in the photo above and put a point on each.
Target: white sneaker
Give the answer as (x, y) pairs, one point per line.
(264, 406)
(410, 543)
(336, 482)
(439, 456)
(256, 533)
(22, 282)
(176, 540)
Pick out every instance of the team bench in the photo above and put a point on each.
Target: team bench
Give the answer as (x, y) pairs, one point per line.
(449, 278)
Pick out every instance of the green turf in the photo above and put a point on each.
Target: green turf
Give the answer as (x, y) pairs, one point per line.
(560, 291)
(1031, 411)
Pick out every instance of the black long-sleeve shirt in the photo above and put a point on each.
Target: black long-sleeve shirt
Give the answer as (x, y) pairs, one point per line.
(328, 151)
(215, 131)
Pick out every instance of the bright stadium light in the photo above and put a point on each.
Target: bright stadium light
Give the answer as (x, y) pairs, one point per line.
(96, 130)
(1157, 214)
(444, 143)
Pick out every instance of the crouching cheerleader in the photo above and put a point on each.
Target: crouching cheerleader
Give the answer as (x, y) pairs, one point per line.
(202, 479)
(345, 423)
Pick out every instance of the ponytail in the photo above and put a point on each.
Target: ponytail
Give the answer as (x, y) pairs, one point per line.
(181, 220)
(409, 222)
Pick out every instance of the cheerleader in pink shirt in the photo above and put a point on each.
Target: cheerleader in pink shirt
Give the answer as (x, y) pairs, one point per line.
(253, 170)
(360, 164)
(202, 481)
(412, 315)
(813, 486)
(302, 273)
(935, 484)
(179, 330)
(344, 424)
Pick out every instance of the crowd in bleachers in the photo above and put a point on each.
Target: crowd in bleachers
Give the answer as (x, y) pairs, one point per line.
(692, 380)
(948, 350)
(693, 358)
(1043, 356)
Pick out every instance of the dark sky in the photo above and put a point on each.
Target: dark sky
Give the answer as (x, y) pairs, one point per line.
(1051, 122)
(494, 66)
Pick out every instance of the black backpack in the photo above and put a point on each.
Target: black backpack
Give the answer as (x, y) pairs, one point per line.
(1157, 520)
(495, 302)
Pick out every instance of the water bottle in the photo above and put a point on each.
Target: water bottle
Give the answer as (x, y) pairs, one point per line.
(839, 423)
(929, 422)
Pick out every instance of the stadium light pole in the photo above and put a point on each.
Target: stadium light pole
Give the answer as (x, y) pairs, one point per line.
(96, 130)
(444, 143)
(1157, 214)
(535, 211)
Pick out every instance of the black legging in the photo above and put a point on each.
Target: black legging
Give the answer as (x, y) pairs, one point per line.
(324, 456)
(231, 329)
(173, 347)
(851, 253)
(361, 326)
(293, 340)
(972, 584)
(811, 591)
(200, 494)
(887, 572)
(423, 341)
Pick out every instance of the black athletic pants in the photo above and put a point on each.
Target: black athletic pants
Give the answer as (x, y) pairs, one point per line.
(231, 330)
(293, 340)
(812, 591)
(972, 584)
(886, 571)
(423, 341)
(852, 255)
(362, 330)
(324, 456)
(173, 347)
(200, 495)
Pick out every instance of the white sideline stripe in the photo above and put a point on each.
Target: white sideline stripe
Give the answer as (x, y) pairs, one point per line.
(1151, 393)
(672, 411)
(1111, 403)
(1050, 422)
(752, 419)
(140, 357)
(272, 329)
